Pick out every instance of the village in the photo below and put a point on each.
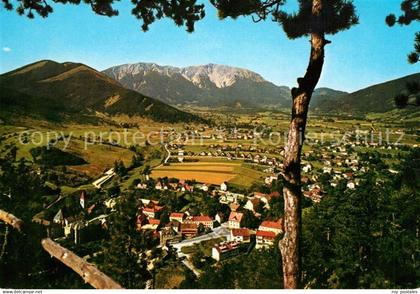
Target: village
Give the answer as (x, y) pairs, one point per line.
(183, 215)
(197, 198)
(183, 229)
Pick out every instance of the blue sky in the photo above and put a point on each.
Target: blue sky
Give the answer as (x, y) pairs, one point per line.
(366, 54)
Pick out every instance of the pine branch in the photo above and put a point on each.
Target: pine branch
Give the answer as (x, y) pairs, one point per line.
(12, 220)
(86, 270)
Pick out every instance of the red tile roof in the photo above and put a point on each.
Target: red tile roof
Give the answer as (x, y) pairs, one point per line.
(226, 246)
(177, 215)
(152, 209)
(235, 216)
(154, 221)
(266, 234)
(316, 191)
(202, 218)
(241, 232)
(271, 224)
(189, 227)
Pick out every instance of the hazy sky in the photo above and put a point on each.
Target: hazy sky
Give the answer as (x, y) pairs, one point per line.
(366, 54)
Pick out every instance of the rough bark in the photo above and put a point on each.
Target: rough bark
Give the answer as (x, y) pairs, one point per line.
(11, 220)
(290, 244)
(86, 270)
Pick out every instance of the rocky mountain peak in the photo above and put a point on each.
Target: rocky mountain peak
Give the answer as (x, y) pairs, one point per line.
(220, 75)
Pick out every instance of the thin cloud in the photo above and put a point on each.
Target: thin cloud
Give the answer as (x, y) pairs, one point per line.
(7, 49)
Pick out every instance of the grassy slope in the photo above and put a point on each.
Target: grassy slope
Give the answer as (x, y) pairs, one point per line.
(54, 91)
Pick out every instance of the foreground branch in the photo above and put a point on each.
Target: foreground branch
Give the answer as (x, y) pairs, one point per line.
(86, 270)
(11, 220)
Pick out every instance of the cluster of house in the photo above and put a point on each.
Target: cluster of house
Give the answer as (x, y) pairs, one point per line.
(248, 157)
(255, 202)
(220, 134)
(185, 186)
(225, 197)
(315, 194)
(179, 185)
(335, 156)
(341, 161)
(264, 236)
(250, 153)
(71, 225)
(337, 161)
(181, 225)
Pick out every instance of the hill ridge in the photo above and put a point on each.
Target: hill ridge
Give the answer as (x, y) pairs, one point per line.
(77, 89)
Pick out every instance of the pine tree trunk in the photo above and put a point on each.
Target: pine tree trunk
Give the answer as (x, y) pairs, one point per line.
(290, 244)
(10, 219)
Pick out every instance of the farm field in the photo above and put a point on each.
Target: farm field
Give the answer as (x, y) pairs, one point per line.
(203, 176)
(211, 171)
(99, 157)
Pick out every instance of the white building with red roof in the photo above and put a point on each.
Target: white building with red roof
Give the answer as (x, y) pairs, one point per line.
(152, 224)
(224, 249)
(240, 235)
(264, 239)
(272, 226)
(205, 220)
(234, 221)
(177, 216)
(152, 212)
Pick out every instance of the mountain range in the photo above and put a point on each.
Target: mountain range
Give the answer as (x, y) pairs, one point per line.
(55, 90)
(205, 85)
(220, 85)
